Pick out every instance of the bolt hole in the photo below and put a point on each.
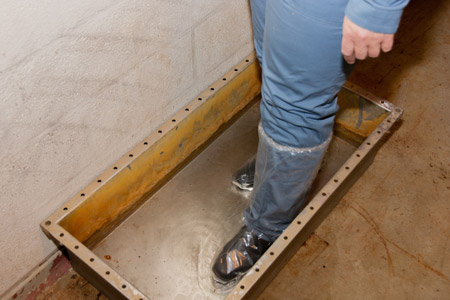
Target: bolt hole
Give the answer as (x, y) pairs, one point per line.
(347, 168)
(76, 247)
(257, 270)
(285, 237)
(82, 195)
(61, 234)
(378, 132)
(199, 99)
(107, 272)
(92, 259)
(311, 207)
(48, 223)
(389, 121)
(324, 194)
(159, 131)
(124, 286)
(173, 120)
(242, 287)
(299, 222)
(65, 208)
(145, 143)
(358, 155)
(246, 60)
(236, 70)
(186, 109)
(212, 89)
(224, 79)
(336, 180)
(115, 168)
(99, 180)
(131, 155)
(271, 253)
(323, 267)
(368, 143)
(382, 102)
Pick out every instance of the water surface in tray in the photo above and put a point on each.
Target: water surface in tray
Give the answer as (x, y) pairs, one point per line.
(165, 249)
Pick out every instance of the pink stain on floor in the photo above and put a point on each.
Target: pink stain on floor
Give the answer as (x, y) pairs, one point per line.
(60, 266)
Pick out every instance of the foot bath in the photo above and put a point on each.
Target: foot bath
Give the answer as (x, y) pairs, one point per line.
(150, 226)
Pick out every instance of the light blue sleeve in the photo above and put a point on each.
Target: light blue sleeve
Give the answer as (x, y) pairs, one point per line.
(381, 16)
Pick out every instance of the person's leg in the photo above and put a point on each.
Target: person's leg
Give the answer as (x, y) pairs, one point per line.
(283, 179)
(303, 70)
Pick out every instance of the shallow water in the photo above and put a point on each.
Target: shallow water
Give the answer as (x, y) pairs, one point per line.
(167, 246)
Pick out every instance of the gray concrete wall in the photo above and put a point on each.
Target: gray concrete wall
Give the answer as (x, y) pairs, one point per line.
(81, 82)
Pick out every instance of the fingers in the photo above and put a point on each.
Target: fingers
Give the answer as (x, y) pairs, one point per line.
(384, 44)
(374, 50)
(387, 42)
(347, 50)
(359, 43)
(361, 51)
(350, 59)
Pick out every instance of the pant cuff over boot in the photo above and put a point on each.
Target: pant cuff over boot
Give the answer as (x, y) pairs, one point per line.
(283, 178)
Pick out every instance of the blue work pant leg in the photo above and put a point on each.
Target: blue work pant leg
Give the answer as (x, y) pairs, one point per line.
(258, 8)
(303, 70)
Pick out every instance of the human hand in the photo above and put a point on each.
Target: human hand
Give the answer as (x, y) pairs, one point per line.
(358, 42)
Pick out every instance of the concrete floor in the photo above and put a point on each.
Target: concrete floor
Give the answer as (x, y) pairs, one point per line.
(389, 236)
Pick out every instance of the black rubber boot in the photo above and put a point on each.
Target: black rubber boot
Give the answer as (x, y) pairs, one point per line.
(245, 176)
(238, 256)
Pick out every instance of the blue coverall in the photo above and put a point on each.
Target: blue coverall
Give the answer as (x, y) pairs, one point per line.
(298, 44)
